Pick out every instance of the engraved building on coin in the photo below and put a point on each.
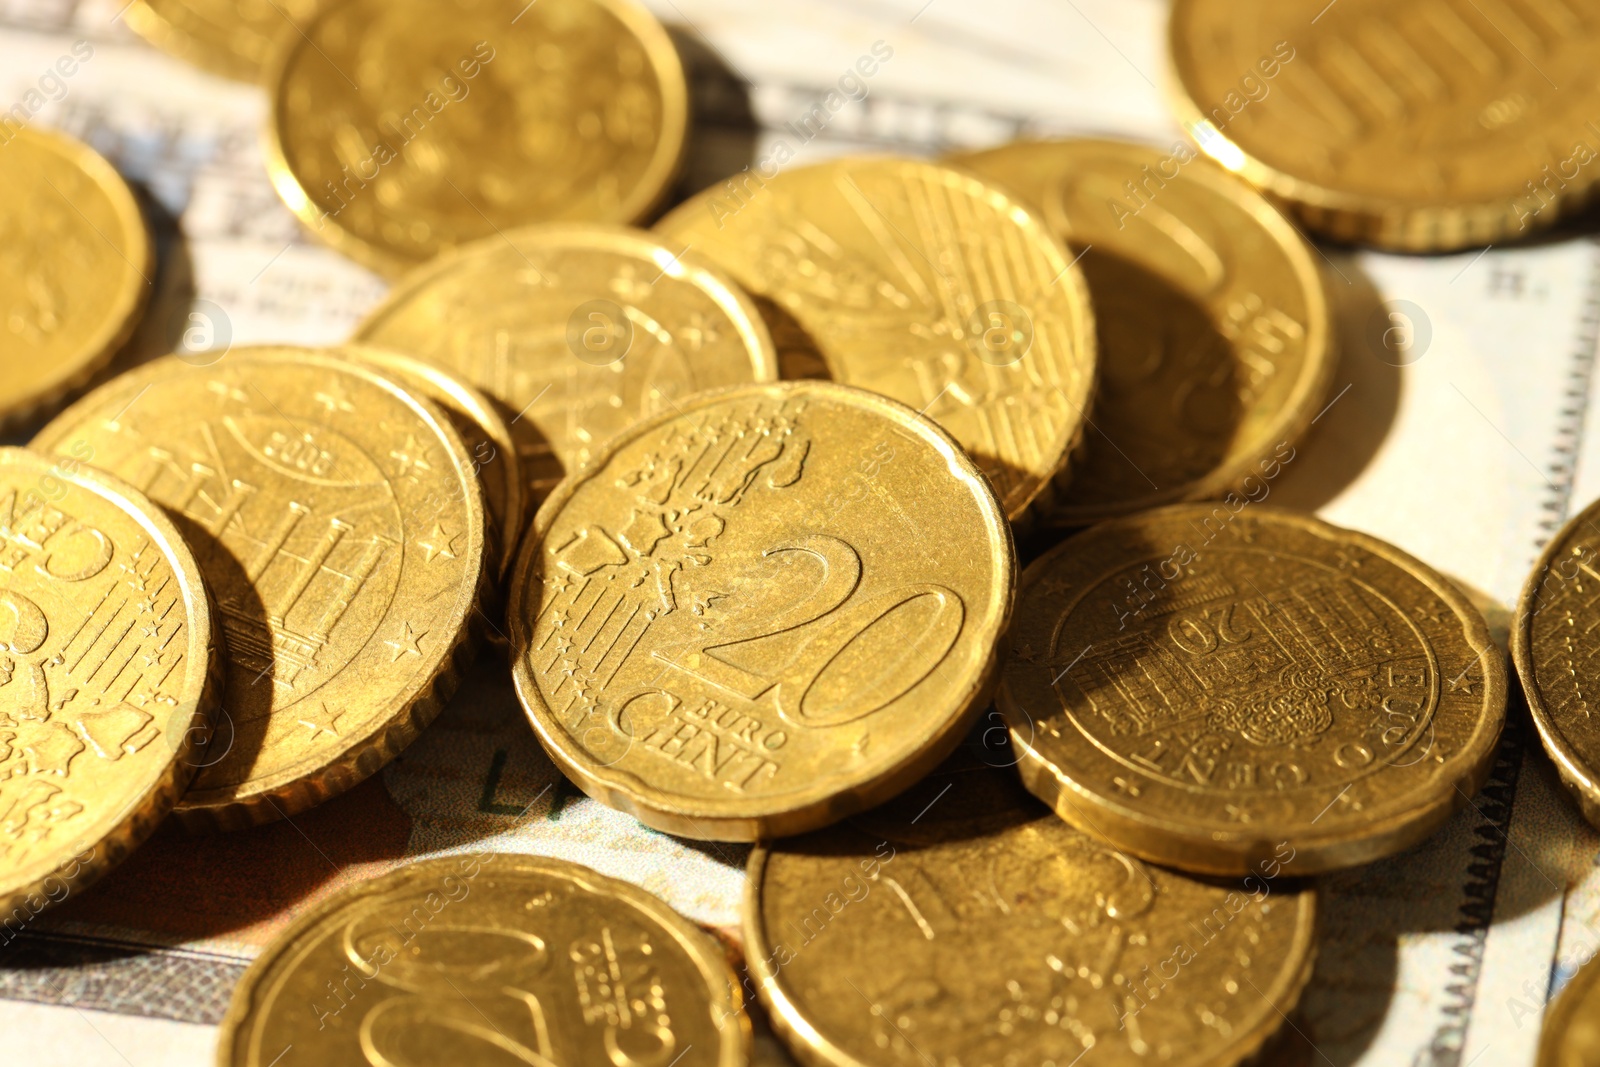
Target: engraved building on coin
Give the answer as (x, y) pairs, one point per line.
(1194, 683)
(341, 528)
(757, 614)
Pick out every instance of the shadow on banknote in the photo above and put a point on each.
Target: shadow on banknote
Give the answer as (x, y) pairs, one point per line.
(1363, 397)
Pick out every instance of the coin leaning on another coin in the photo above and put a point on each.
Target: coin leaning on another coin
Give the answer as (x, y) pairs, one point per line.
(964, 923)
(341, 529)
(1214, 335)
(926, 284)
(482, 958)
(401, 129)
(755, 614)
(579, 330)
(75, 268)
(483, 431)
(1199, 682)
(108, 674)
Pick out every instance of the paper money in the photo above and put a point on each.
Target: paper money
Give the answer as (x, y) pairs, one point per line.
(1459, 427)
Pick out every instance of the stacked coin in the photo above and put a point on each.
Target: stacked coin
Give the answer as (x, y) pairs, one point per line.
(749, 608)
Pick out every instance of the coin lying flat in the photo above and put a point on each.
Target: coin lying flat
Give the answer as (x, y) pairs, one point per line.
(963, 923)
(489, 959)
(1198, 682)
(75, 264)
(107, 674)
(482, 430)
(340, 527)
(1213, 328)
(1570, 1035)
(1414, 125)
(579, 330)
(404, 128)
(233, 38)
(760, 612)
(925, 284)
(1551, 644)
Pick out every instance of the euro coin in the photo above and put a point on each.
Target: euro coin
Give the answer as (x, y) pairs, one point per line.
(107, 675)
(1212, 323)
(1414, 126)
(1198, 682)
(752, 615)
(484, 432)
(925, 284)
(340, 527)
(486, 959)
(579, 330)
(233, 38)
(1570, 1036)
(1557, 613)
(75, 268)
(963, 923)
(403, 128)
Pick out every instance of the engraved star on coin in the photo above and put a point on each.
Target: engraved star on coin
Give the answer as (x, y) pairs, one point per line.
(333, 398)
(325, 722)
(411, 457)
(438, 543)
(408, 643)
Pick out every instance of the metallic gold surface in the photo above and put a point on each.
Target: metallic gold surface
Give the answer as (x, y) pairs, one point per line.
(579, 330)
(1212, 323)
(1409, 124)
(107, 674)
(756, 614)
(964, 924)
(404, 128)
(233, 38)
(1570, 1035)
(75, 264)
(486, 959)
(1198, 682)
(927, 285)
(482, 429)
(342, 533)
(1552, 643)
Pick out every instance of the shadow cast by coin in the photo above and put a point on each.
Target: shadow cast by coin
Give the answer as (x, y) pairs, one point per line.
(1168, 406)
(1363, 398)
(798, 354)
(243, 634)
(723, 134)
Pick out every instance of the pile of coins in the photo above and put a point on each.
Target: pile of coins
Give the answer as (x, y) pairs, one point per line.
(737, 498)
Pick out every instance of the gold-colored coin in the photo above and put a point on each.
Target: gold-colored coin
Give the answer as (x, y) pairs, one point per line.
(233, 38)
(75, 267)
(580, 330)
(963, 923)
(107, 674)
(1570, 1036)
(1549, 644)
(1213, 328)
(486, 958)
(756, 614)
(404, 128)
(1410, 125)
(925, 284)
(484, 432)
(341, 529)
(1198, 682)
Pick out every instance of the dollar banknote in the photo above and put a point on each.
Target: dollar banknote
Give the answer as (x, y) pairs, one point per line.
(1458, 427)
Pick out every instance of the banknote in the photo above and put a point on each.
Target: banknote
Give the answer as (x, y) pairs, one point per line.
(1461, 425)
